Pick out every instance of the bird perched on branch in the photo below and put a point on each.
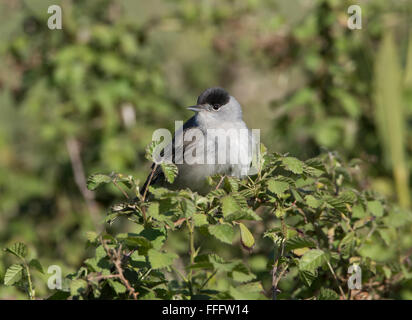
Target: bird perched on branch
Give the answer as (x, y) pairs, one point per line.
(207, 144)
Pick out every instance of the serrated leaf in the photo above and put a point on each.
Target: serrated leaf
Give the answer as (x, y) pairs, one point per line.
(137, 242)
(223, 232)
(37, 265)
(200, 220)
(277, 187)
(229, 205)
(118, 287)
(246, 236)
(358, 212)
(312, 260)
(307, 277)
(230, 184)
(78, 287)
(241, 274)
(189, 207)
(244, 214)
(169, 171)
(153, 210)
(327, 294)
(160, 260)
(13, 274)
(375, 208)
(312, 202)
(293, 164)
(96, 180)
(91, 236)
(298, 242)
(18, 249)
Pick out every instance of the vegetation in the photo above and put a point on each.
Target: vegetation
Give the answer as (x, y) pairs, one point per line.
(84, 101)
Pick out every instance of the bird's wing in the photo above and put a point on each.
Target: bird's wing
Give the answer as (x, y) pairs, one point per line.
(158, 176)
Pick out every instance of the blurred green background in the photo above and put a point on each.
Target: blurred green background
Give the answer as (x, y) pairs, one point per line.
(87, 98)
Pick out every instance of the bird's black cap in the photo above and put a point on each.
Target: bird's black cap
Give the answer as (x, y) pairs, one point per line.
(214, 96)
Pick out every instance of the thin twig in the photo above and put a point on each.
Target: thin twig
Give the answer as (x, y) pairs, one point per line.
(220, 182)
(336, 279)
(118, 187)
(115, 257)
(79, 177)
(149, 181)
(145, 192)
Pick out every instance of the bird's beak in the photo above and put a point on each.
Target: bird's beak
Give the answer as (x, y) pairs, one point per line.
(197, 108)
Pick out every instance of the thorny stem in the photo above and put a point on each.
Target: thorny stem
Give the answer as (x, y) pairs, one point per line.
(275, 275)
(145, 192)
(115, 257)
(31, 293)
(191, 252)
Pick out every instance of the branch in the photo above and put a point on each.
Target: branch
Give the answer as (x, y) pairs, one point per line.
(79, 177)
(115, 257)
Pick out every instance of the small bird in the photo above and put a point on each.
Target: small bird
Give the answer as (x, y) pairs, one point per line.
(215, 109)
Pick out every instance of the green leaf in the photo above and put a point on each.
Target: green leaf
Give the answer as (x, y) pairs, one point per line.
(277, 187)
(327, 294)
(78, 287)
(375, 208)
(279, 212)
(298, 242)
(37, 265)
(241, 274)
(91, 236)
(118, 287)
(153, 210)
(137, 242)
(230, 184)
(18, 249)
(358, 212)
(246, 236)
(13, 274)
(169, 170)
(200, 220)
(229, 205)
(294, 165)
(244, 214)
(248, 291)
(159, 259)
(150, 148)
(96, 180)
(223, 232)
(189, 207)
(307, 277)
(312, 202)
(312, 260)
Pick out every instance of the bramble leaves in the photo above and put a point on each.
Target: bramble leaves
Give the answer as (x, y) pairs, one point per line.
(94, 181)
(223, 232)
(317, 223)
(169, 170)
(312, 260)
(18, 249)
(159, 259)
(13, 274)
(246, 236)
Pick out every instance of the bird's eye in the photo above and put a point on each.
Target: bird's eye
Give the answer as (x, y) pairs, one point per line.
(216, 107)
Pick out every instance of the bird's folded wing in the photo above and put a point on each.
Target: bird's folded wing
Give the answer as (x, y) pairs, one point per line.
(176, 148)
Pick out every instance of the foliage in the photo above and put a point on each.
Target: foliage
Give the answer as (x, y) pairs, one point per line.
(311, 215)
(18, 274)
(87, 98)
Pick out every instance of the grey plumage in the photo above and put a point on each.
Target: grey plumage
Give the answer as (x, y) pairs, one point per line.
(215, 109)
